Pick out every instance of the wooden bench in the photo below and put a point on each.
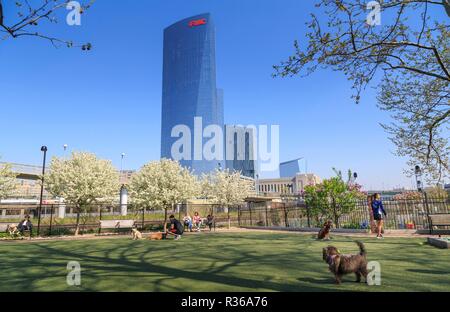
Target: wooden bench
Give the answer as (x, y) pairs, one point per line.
(439, 220)
(116, 224)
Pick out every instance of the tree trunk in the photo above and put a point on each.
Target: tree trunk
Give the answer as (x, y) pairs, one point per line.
(165, 220)
(77, 228)
(229, 219)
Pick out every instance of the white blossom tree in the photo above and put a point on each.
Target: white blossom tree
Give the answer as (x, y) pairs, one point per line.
(82, 180)
(7, 180)
(226, 188)
(162, 184)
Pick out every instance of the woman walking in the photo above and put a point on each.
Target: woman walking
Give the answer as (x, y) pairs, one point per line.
(378, 212)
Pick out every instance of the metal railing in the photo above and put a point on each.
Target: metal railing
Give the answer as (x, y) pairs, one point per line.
(401, 214)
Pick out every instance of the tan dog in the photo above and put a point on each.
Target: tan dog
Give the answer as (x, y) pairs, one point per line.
(324, 233)
(157, 236)
(13, 230)
(136, 234)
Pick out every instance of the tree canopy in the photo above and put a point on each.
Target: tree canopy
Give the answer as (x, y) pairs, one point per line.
(407, 57)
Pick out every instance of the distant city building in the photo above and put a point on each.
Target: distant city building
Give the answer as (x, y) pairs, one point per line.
(189, 85)
(289, 186)
(239, 150)
(289, 168)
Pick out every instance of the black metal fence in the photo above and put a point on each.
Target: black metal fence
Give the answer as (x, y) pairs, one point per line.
(401, 214)
(62, 219)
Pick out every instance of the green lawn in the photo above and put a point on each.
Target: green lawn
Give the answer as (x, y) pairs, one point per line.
(218, 262)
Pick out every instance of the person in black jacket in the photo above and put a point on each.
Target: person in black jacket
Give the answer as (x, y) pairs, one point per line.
(25, 225)
(176, 228)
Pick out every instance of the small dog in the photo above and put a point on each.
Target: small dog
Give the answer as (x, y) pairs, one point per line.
(136, 234)
(324, 233)
(340, 264)
(13, 230)
(157, 236)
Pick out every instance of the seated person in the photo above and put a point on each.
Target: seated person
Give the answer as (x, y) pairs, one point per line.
(210, 221)
(25, 225)
(187, 220)
(176, 228)
(197, 221)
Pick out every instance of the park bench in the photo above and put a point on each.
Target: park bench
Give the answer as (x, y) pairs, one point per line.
(116, 224)
(439, 220)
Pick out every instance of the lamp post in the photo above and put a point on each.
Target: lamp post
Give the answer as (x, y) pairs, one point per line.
(44, 150)
(121, 162)
(418, 174)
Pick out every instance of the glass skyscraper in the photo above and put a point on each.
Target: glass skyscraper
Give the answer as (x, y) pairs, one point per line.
(189, 86)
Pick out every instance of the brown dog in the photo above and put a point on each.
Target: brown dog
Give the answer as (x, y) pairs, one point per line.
(340, 264)
(324, 233)
(157, 236)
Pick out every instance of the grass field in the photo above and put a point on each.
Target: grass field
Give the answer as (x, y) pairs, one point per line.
(218, 262)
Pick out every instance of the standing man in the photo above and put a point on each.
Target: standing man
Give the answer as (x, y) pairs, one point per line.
(378, 212)
(176, 228)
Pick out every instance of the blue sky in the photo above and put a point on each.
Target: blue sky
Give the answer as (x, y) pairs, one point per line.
(108, 101)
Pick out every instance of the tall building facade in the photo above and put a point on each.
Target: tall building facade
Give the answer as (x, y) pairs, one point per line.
(189, 88)
(239, 150)
(289, 168)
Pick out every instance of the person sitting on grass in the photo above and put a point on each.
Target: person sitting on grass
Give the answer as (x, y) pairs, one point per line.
(197, 221)
(176, 228)
(25, 225)
(188, 222)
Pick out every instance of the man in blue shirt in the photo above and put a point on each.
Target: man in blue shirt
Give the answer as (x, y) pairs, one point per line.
(378, 212)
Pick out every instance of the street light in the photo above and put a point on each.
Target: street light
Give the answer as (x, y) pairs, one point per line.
(418, 173)
(44, 150)
(121, 162)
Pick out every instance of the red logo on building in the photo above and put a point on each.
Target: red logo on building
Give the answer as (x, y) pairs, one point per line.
(197, 22)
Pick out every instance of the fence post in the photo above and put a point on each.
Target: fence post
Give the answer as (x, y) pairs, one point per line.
(239, 216)
(428, 212)
(267, 218)
(51, 221)
(285, 215)
(143, 217)
(250, 210)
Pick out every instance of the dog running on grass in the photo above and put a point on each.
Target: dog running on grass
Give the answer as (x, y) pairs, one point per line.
(136, 234)
(340, 264)
(324, 233)
(157, 236)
